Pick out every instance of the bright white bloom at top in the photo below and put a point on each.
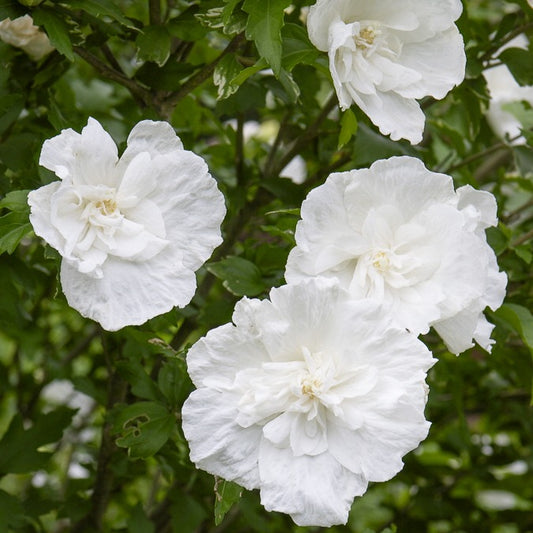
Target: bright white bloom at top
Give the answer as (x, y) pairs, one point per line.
(308, 397)
(132, 231)
(385, 54)
(400, 234)
(22, 33)
(504, 89)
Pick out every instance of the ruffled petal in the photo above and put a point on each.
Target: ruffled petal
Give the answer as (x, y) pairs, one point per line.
(191, 205)
(217, 443)
(129, 293)
(315, 490)
(40, 202)
(154, 138)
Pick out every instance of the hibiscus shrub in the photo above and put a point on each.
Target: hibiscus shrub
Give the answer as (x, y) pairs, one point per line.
(265, 266)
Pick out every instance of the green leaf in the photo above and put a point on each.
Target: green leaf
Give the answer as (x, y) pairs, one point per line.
(16, 201)
(144, 428)
(19, 447)
(240, 276)
(291, 87)
(100, 8)
(520, 63)
(13, 228)
(10, 9)
(10, 107)
(225, 71)
(249, 71)
(297, 48)
(141, 383)
(173, 381)
(265, 20)
(56, 28)
(154, 44)
(186, 26)
(520, 319)
(348, 127)
(226, 494)
(11, 511)
(138, 522)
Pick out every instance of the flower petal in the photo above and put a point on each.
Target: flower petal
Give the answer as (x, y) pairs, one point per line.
(129, 293)
(155, 138)
(218, 444)
(191, 205)
(315, 490)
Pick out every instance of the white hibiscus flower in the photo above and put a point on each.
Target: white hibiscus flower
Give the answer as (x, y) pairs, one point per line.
(132, 231)
(22, 33)
(308, 397)
(385, 54)
(505, 90)
(398, 233)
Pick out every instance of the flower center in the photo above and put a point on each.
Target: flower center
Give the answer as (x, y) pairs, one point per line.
(311, 386)
(381, 261)
(107, 206)
(366, 37)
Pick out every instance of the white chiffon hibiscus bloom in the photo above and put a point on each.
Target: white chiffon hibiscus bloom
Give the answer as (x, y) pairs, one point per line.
(385, 54)
(505, 90)
(23, 34)
(307, 397)
(400, 234)
(131, 231)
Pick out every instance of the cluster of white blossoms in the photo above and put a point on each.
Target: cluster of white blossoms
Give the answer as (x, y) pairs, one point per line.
(131, 231)
(319, 389)
(311, 394)
(386, 54)
(23, 34)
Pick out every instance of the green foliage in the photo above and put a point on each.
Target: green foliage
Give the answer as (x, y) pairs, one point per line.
(108, 447)
(265, 20)
(226, 495)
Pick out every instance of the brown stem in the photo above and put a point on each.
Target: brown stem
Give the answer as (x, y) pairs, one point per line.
(142, 95)
(480, 155)
(201, 76)
(239, 151)
(155, 12)
(522, 239)
(509, 37)
(301, 141)
(116, 392)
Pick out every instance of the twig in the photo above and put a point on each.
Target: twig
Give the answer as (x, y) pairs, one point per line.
(191, 84)
(301, 141)
(116, 392)
(140, 93)
(320, 173)
(111, 58)
(277, 142)
(522, 239)
(509, 37)
(480, 155)
(239, 151)
(155, 12)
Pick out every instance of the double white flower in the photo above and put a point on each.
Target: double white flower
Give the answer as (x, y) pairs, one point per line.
(22, 33)
(308, 397)
(400, 234)
(131, 231)
(505, 90)
(385, 54)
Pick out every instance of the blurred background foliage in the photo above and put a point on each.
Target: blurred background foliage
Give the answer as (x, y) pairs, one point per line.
(90, 437)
